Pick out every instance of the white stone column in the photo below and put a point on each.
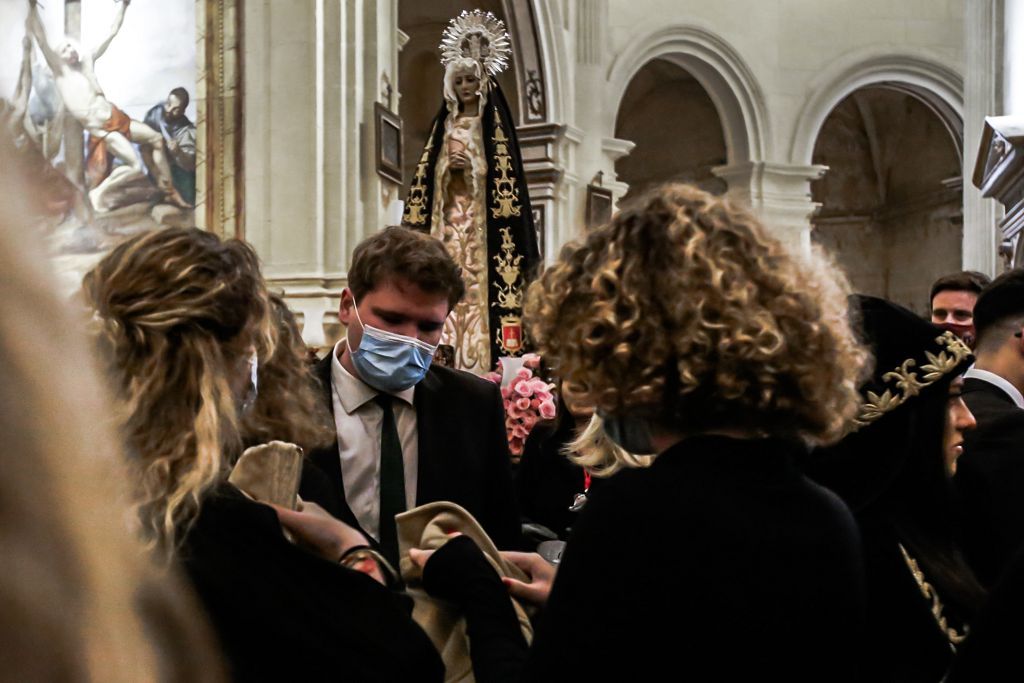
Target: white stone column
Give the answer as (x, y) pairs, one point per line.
(314, 71)
(780, 194)
(982, 97)
(593, 126)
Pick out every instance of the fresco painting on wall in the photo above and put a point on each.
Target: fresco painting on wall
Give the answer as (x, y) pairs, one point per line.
(100, 98)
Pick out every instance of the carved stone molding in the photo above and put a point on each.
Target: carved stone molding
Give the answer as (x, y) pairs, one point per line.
(219, 164)
(538, 144)
(779, 193)
(999, 173)
(528, 61)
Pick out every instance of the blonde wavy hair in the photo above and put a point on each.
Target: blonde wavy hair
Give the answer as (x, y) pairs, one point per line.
(178, 313)
(602, 457)
(81, 601)
(684, 310)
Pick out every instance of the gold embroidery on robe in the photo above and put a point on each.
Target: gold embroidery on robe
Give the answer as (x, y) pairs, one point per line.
(415, 207)
(505, 193)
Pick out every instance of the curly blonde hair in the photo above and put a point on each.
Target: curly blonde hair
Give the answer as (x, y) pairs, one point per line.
(178, 313)
(684, 310)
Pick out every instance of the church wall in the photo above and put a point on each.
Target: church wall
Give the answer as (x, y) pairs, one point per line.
(313, 192)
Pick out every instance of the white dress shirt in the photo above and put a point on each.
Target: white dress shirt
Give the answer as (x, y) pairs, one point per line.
(357, 420)
(996, 380)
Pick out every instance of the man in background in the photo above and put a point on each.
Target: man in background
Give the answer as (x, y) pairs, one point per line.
(952, 302)
(990, 474)
(179, 134)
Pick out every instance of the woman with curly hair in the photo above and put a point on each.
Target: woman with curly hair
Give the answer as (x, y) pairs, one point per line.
(181, 315)
(699, 338)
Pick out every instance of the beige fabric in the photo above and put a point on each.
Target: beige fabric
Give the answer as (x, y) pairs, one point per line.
(270, 473)
(427, 528)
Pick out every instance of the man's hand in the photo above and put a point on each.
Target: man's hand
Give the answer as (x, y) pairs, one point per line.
(541, 573)
(314, 528)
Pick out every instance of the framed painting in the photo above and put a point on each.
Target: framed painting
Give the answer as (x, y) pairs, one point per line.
(389, 143)
(599, 206)
(129, 115)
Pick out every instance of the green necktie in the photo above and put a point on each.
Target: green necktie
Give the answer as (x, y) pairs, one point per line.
(392, 480)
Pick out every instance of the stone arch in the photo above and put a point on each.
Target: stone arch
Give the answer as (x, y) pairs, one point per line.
(938, 86)
(719, 69)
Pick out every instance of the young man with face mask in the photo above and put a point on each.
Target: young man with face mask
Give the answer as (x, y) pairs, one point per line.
(952, 303)
(409, 433)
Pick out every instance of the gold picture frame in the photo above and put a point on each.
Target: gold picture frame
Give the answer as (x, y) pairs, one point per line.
(220, 198)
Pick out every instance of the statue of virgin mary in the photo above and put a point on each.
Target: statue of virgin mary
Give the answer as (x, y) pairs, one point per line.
(468, 191)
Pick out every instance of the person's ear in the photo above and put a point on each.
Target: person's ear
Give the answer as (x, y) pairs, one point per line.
(346, 307)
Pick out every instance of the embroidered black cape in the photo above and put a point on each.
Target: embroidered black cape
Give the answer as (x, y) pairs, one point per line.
(513, 256)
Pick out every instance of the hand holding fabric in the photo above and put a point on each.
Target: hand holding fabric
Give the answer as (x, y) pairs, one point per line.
(542, 575)
(315, 528)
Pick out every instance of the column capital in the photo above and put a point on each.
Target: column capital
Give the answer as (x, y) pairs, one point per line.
(780, 194)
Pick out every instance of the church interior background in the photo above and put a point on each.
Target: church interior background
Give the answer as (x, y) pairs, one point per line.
(852, 124)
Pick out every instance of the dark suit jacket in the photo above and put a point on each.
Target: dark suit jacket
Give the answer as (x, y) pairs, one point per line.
(990, 477)
(463, 452)
(283, 614)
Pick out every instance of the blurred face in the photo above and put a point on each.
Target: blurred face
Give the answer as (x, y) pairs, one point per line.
(173, 107)
(398, 306)
(954, 311)
(958, 420)
(69, 54)
(466, 85)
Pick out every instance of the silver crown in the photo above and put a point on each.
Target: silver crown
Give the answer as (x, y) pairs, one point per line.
(477, 35)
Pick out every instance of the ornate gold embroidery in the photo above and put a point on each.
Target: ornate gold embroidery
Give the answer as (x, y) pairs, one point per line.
(509, 335)
(415, 208)
(907, 381)
(955, 638)
(506, 194)
(511, 295)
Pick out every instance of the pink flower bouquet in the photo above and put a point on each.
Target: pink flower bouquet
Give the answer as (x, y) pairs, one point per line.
(528, 400)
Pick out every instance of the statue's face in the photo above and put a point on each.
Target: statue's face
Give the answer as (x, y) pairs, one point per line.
(69, 53)
(466, 86)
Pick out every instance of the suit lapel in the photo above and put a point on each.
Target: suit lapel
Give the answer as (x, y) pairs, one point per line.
(327, 459)
(428, 404)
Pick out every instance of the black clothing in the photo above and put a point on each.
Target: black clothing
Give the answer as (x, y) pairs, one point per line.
(463, 452)
(990, 478)
(284, 614)
(991, 654)
(547, 482)
(721, 558)
(460, 573)
(907, 645)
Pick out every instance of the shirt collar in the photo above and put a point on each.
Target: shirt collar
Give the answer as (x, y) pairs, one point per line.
(352, 391)
(994, 379)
